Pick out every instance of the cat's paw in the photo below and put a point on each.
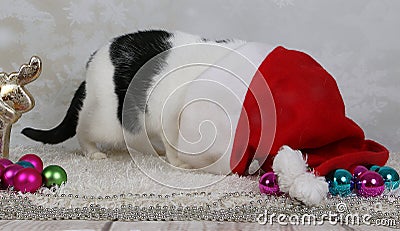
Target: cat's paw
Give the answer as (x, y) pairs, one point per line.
(97, 156)
(177, 162)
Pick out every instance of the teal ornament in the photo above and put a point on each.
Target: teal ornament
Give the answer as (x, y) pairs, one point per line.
(390, 176)
(340, 182)
(54, 175)
(374, 168)
(25, 164)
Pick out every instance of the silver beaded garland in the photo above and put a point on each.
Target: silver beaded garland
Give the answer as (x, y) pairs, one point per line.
(214, 208)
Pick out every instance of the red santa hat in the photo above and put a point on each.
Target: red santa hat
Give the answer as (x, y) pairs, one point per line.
(289, 101)
(310, 117)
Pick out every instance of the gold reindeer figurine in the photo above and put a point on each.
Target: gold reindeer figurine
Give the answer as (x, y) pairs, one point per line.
(15, 99)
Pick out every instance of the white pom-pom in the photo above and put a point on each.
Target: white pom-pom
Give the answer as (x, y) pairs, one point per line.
(309, 189)
(293, 178)
(288, 164)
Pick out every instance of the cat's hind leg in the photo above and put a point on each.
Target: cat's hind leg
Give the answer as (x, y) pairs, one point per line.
(89, 148)
(85, 138)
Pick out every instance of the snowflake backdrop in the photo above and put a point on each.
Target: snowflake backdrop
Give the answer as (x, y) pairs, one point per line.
(357, 42)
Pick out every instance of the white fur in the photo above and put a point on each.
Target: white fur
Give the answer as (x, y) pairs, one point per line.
(98, 122)
(294, 179)
(165, 98)
(309, 189)
(214, 105)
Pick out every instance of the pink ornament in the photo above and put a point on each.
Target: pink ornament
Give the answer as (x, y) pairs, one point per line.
(8, 175)
(269, 184)
(1, 175)
(370, 184)
(33, 159)
(27, 180)
(359, 170)
(1, 170)
(5, 162)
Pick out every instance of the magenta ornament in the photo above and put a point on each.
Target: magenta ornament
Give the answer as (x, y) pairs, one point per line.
(1, 175)
(34, 160)
(370, 184)
(268, 184)
(8, 175)
(1, 170)
(5, 162)
(359, 170)
(27, 180)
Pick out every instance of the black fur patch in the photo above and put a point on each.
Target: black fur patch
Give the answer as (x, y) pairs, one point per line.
(217, 41)
(90, 59)
(223, 41)
(128, 54)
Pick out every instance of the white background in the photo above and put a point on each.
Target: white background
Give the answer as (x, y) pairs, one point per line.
(356, 41)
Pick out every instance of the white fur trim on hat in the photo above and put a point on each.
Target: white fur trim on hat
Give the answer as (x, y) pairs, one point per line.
(293, 178)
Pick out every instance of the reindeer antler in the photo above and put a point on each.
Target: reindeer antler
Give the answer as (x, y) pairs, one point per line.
(29, 72)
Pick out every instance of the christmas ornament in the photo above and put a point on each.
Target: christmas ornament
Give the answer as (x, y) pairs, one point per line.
(390, 176)
(1, 174)
(33, 159)
(370, 184)
(359, 170)
(25, 164)
(5, 162)
(1, 170)
(15, 99)
(268, 184)
(8, 175)
(374, 168)
(340, 182)
(27, 180)
(54, 175)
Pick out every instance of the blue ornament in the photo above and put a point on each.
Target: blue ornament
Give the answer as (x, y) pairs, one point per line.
(341, 183)
(390, 176)
(25, 164)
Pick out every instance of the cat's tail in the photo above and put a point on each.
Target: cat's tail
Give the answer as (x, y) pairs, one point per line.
(67, 128)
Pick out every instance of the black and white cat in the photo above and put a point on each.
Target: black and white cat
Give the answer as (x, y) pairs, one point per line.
(96, 111)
